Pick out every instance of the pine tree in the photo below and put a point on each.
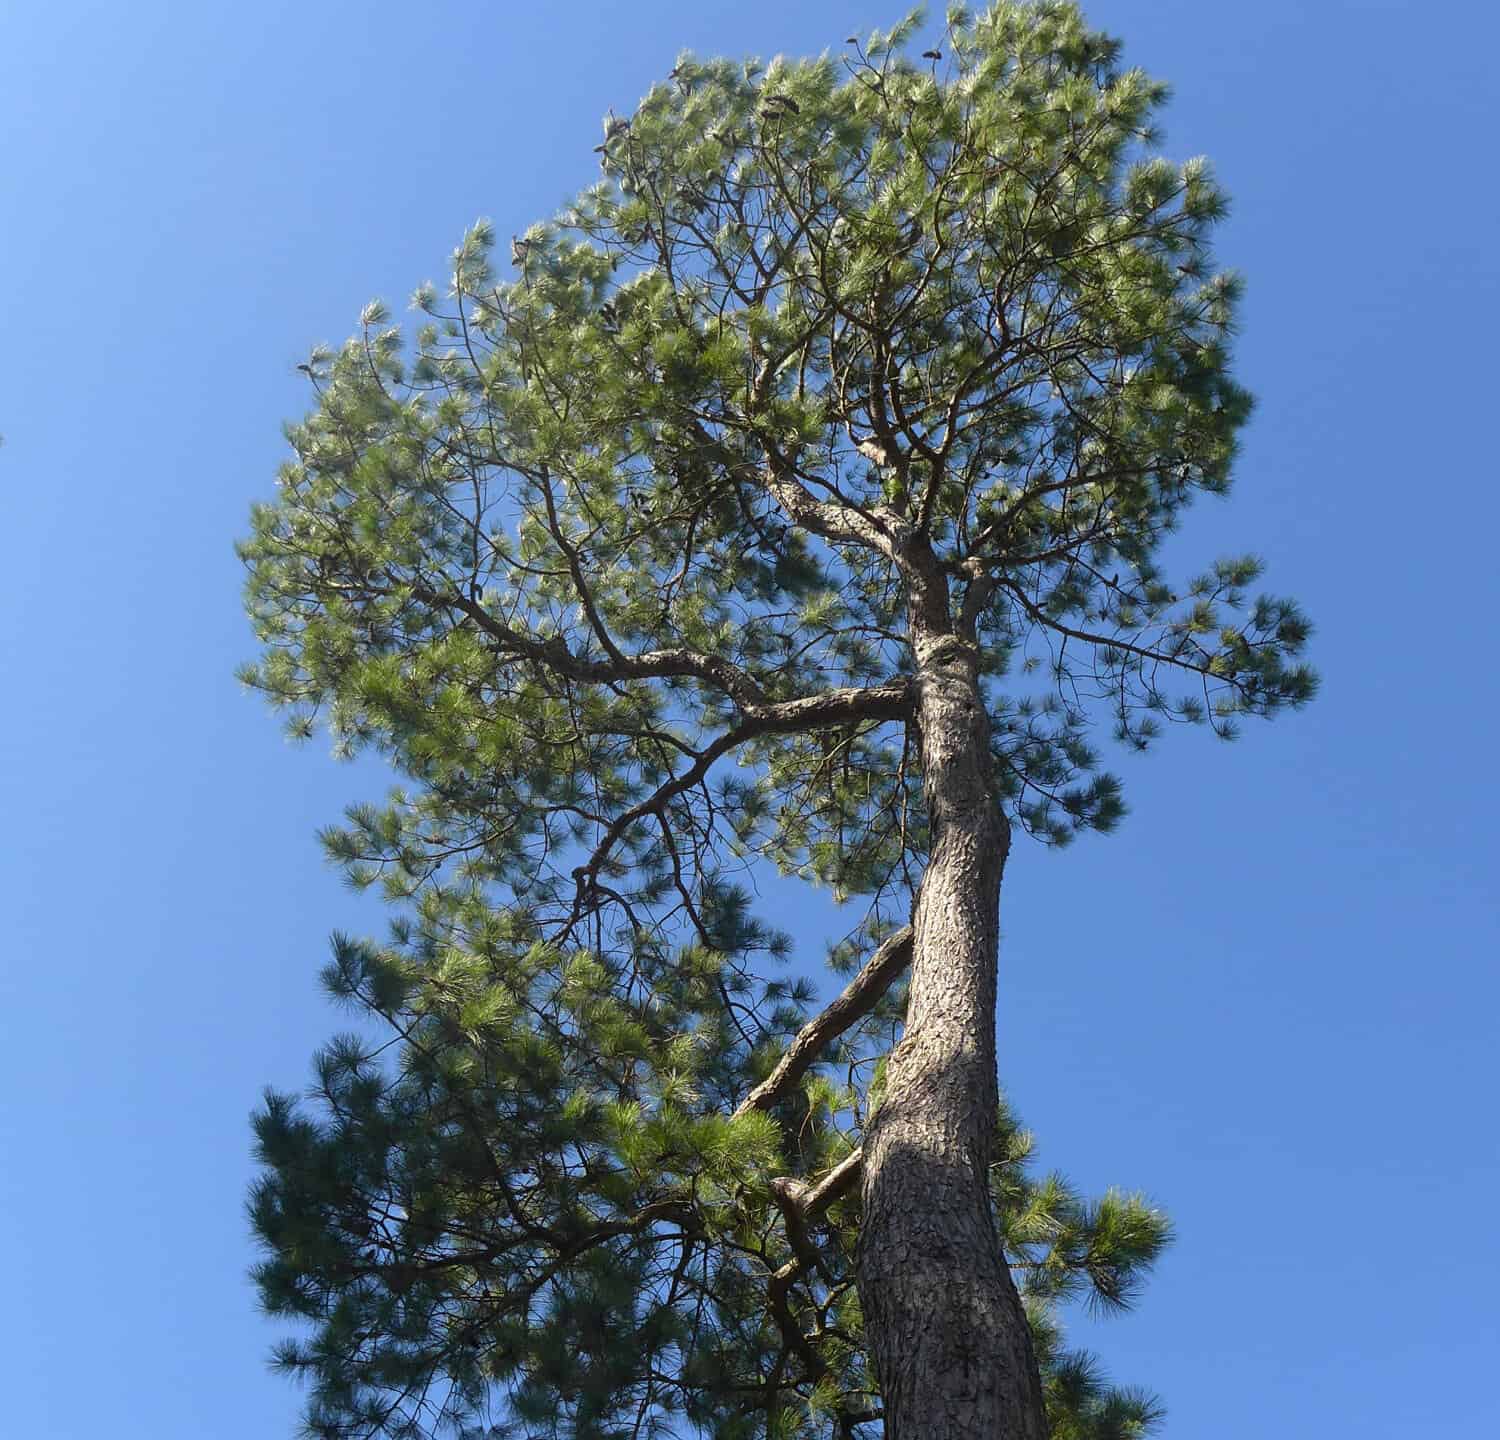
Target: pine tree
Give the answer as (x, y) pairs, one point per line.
(794, 497)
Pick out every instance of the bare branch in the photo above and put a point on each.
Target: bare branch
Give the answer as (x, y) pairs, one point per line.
(853, 1003)
(891, 701)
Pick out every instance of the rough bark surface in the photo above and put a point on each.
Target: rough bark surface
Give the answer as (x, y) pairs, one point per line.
(947, 1329)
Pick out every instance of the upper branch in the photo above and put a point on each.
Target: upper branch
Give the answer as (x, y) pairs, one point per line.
(645, 665)
(842, 523)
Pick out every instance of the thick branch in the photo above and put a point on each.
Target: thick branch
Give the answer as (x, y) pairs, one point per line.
(813, 1200)
(853, 1003)
(801, 1204)
(840, 523)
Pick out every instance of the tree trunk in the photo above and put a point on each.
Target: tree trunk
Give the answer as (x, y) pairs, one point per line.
(946, 1326)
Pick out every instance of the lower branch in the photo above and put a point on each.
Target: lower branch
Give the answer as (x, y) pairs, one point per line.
(853, 1003)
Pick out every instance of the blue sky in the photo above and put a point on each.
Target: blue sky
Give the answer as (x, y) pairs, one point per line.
(1269, 1000)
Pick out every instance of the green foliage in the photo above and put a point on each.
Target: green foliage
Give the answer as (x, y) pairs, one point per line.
(528, 1207)
(647, 501)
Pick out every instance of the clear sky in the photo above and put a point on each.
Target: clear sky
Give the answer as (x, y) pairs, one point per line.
(1270, 1000)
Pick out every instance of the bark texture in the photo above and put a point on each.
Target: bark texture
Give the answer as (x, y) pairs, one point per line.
(946, 1326)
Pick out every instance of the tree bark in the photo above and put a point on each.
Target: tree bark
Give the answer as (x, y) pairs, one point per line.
(947, 1330)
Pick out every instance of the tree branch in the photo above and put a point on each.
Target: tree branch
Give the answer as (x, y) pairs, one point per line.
(853, 1003)
(810, 1201)
(891, 701)
(839, 523)
(647, 665)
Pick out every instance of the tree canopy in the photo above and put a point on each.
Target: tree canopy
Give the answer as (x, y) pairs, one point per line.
(621, 562)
